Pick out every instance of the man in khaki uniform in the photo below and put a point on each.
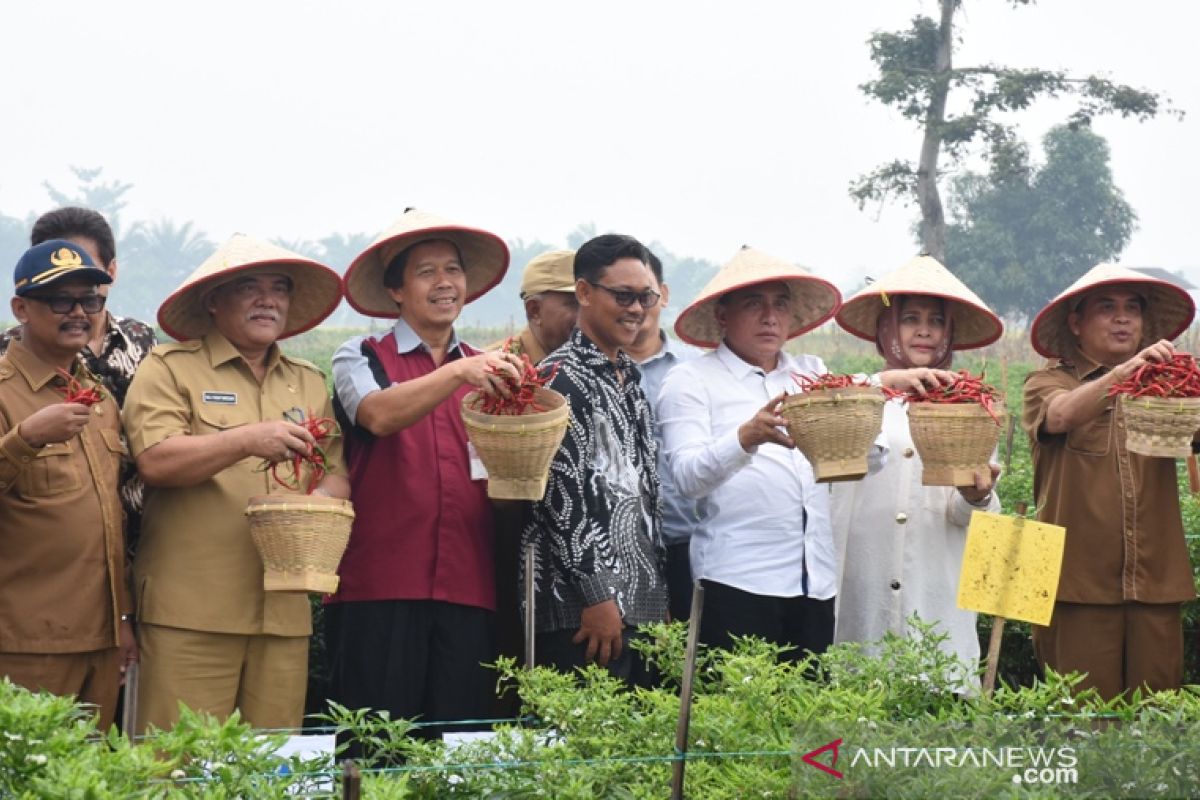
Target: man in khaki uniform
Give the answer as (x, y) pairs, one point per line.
(65, 607)
(548, 292)
(1125, 571)
(203, 416)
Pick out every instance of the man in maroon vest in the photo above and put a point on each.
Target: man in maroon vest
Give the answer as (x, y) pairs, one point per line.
(412, 621)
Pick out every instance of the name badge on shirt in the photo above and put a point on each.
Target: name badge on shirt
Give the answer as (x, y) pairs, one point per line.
(478, 470)
(221, 398)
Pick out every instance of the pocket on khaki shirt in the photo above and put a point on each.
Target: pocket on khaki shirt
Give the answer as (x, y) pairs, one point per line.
(217, 418)
(52, 472)
(1093, 438)
(114, 443)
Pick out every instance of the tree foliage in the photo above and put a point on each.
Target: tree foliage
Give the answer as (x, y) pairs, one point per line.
(107, 197)
(156, 255)
(916, 76)
(1021, 233)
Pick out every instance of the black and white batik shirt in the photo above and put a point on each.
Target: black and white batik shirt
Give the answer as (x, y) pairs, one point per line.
(597, 531)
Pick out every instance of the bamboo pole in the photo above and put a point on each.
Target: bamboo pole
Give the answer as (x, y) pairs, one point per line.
(997, 637)
(685, 692)
(351, 780)
(529, 618)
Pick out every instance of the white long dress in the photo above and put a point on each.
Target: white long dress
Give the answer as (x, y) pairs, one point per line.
(900, 548)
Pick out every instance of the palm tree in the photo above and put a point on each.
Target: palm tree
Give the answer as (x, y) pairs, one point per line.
(155, 257)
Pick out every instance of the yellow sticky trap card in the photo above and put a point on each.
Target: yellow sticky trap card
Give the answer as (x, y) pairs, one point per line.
(1011, 566)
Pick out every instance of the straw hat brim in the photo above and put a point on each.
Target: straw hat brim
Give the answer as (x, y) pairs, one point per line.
(485, 260)
(317, 289)
(975, 325)
(814, 300)
(1169, 310)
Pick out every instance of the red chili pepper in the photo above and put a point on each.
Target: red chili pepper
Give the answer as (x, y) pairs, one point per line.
(1179, 377)
(827, 381)
(322, 429)
(76, 392)
(522, 391)
(966, 388)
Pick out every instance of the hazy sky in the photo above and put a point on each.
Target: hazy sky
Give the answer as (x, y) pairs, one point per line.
(703, 125)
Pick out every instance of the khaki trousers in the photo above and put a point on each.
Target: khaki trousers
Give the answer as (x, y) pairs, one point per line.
(1120, 647)
(93, 677)
(264, 677)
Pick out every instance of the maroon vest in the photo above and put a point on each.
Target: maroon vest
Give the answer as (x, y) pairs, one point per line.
(422, 527)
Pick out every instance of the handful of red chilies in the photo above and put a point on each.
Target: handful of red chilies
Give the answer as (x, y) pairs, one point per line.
(322, 430)
(1178, 377)
(828, 381)
(522, 391)
(76, 392)
(966, 388)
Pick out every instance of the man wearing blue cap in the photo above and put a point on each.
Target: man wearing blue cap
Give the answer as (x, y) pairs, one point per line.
(65, 608)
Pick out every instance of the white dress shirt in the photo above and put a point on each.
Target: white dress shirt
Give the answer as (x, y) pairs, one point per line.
(765, 522)
(679, 513)
(901, 547)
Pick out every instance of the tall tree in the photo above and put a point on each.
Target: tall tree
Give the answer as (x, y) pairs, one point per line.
(1022, 233)
(14, 240)
(917, 77)
(336, 251)
(155, 257)
(107, 197)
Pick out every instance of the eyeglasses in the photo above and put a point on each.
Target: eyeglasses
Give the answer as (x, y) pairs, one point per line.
(65, 303)
(625, 298)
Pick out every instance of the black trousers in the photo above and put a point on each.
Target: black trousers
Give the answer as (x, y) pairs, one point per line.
(555, 649)
(679, 581)
(800, 623)
(417, 659)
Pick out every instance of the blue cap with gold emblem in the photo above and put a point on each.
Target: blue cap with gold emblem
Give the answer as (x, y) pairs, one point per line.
(46, 264)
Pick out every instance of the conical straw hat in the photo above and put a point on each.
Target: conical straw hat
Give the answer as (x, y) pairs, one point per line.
(1169, 309)
(485, 260)
(975, 325)
(813, 299)
(317, 289)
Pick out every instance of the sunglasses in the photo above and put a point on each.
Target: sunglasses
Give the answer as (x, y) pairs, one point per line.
(625, 298)
(64, 303)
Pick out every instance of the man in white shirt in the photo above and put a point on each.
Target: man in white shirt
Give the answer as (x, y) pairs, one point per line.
(656, 354)
(764, 550)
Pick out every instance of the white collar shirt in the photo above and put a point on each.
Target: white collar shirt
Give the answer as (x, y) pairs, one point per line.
(765, 523)
(679, 513)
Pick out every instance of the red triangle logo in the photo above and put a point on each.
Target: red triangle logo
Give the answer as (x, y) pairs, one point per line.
(810, 758)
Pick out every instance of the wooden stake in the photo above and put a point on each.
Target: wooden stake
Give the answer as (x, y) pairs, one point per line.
(529, 618)
(685, 691)
(351, 780)
(1193, 474)
(1008, 442)
(993, 656)
(993, 652)
(129, 712)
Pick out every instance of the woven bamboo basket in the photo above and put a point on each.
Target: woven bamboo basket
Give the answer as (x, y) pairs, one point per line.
(835, 428)
(301, 539)
(954, 440)
(517, 450)
(1160, 426)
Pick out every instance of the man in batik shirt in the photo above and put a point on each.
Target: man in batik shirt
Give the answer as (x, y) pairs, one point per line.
(597, 531)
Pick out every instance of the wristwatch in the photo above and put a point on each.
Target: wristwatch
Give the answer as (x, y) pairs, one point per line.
(982, 502)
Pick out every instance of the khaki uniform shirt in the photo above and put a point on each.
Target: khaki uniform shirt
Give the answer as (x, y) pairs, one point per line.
(62, 573)
(525, 343)
(1121, 510)
(196, 566)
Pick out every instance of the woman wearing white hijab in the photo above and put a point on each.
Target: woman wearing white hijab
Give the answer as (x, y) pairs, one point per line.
(901, 543)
